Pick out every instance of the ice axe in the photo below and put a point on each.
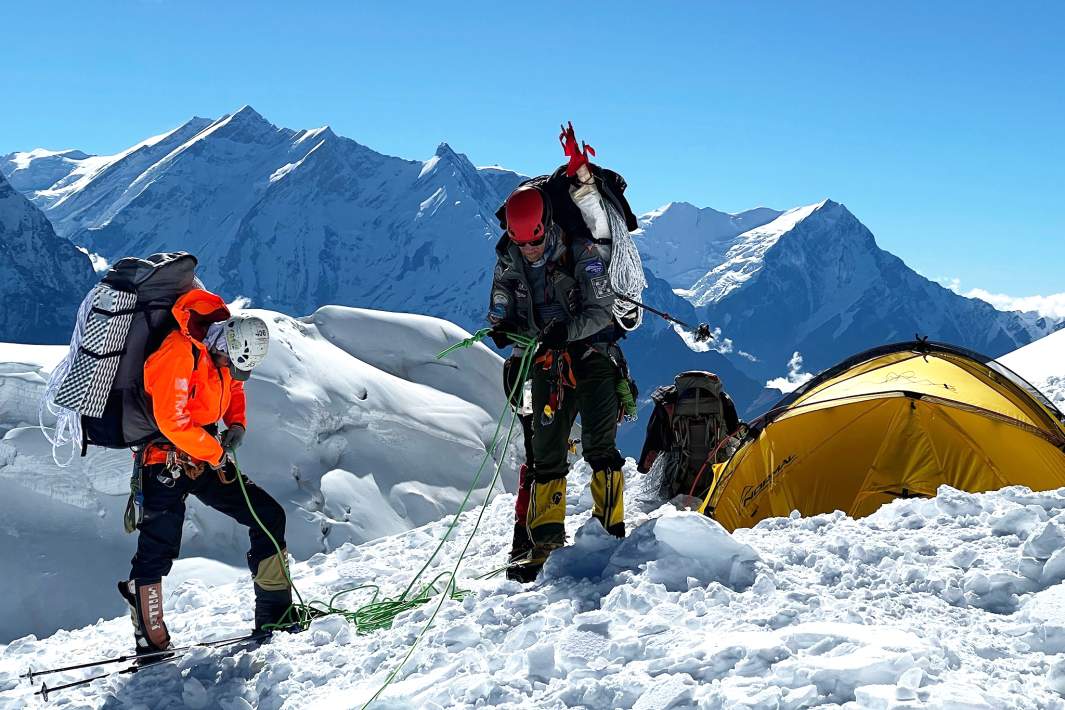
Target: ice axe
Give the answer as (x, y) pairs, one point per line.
(578, 155)
(701, 332)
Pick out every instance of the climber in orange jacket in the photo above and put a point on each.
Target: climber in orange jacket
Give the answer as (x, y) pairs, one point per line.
(194, 379)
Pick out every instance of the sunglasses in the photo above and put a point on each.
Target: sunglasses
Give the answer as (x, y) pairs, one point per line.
(533, 245)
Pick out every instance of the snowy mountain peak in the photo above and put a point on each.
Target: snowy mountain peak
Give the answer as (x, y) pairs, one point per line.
(246, 125)
(246, 114)
(813, 280)
(746, 254)
(444, 150)
(448, 165)
(681, 242)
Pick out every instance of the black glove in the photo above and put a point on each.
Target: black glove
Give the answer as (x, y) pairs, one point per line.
(500, 338)
(555, 335)
(232, 437)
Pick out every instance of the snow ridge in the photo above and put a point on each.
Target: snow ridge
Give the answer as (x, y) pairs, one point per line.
(354, 426)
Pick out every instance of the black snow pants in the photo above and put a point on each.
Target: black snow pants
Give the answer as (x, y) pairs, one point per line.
(159, 542)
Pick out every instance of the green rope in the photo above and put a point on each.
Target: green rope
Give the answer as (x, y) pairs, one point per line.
(376, 615)
(526, 365)
(468, 342)
(303, 613)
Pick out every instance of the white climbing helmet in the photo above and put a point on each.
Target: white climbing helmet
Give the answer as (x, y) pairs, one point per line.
(247, 340)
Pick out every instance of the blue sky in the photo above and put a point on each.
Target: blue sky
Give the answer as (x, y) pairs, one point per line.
(940, 125)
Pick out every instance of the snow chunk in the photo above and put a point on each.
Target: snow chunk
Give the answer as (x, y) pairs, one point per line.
(1017, 522)
(1044, 541)
(541, 661)
(682, 545)
(670, 692)
(330, 629)
(193, 694)
(1056, 677)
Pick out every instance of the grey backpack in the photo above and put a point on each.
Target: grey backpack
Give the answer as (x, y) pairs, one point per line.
(697, 419)
(122, 321)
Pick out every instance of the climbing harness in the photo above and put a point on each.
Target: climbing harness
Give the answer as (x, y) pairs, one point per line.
(559, 366)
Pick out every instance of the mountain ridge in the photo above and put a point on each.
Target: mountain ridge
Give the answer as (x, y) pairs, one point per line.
(298, 219)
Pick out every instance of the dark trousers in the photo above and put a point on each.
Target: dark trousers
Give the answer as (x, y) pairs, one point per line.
(595, 398)
(159, 542)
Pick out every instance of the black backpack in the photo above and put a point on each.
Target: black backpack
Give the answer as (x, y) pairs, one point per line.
(698, 423)
(691, 419)
(128, 319)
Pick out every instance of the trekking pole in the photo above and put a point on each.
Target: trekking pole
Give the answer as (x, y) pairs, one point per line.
(701, 332)
(30, 674)
(45, 690)
(173, 654)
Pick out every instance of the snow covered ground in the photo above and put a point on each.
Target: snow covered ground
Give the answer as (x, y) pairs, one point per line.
(386, 441)
(952, 602)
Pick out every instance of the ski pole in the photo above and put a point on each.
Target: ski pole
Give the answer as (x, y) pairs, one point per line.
(30, 674)
(701, 332)
(45, 690)
(174, 655)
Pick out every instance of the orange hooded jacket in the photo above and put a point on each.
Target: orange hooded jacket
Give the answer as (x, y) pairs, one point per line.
(190, 392)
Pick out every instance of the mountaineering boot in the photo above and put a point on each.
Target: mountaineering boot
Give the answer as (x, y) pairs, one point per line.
(526, 568)
(145, 600)
(547, 530)
(273, 594)
(608, 500)
(547, 512)
(271, 607)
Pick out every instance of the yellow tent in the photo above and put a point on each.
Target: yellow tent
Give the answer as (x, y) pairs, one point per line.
(893, 422)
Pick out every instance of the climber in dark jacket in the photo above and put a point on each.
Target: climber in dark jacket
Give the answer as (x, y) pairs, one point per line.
(551, 283)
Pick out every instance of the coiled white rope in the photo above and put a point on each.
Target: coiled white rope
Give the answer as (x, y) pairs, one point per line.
(67, 431)
(616, 246)
(626, 271)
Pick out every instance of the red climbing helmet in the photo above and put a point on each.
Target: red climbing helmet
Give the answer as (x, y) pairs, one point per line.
(528, 216)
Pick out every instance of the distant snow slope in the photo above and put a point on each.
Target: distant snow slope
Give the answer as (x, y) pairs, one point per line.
(953, 602)
(1043, 364)
(354, 425)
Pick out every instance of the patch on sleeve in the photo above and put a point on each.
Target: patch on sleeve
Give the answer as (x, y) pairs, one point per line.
(594, 267)
(500, 299)
(601, 287)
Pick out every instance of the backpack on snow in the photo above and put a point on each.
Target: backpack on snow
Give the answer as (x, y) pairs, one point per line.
(99, 388)
(691, 419)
